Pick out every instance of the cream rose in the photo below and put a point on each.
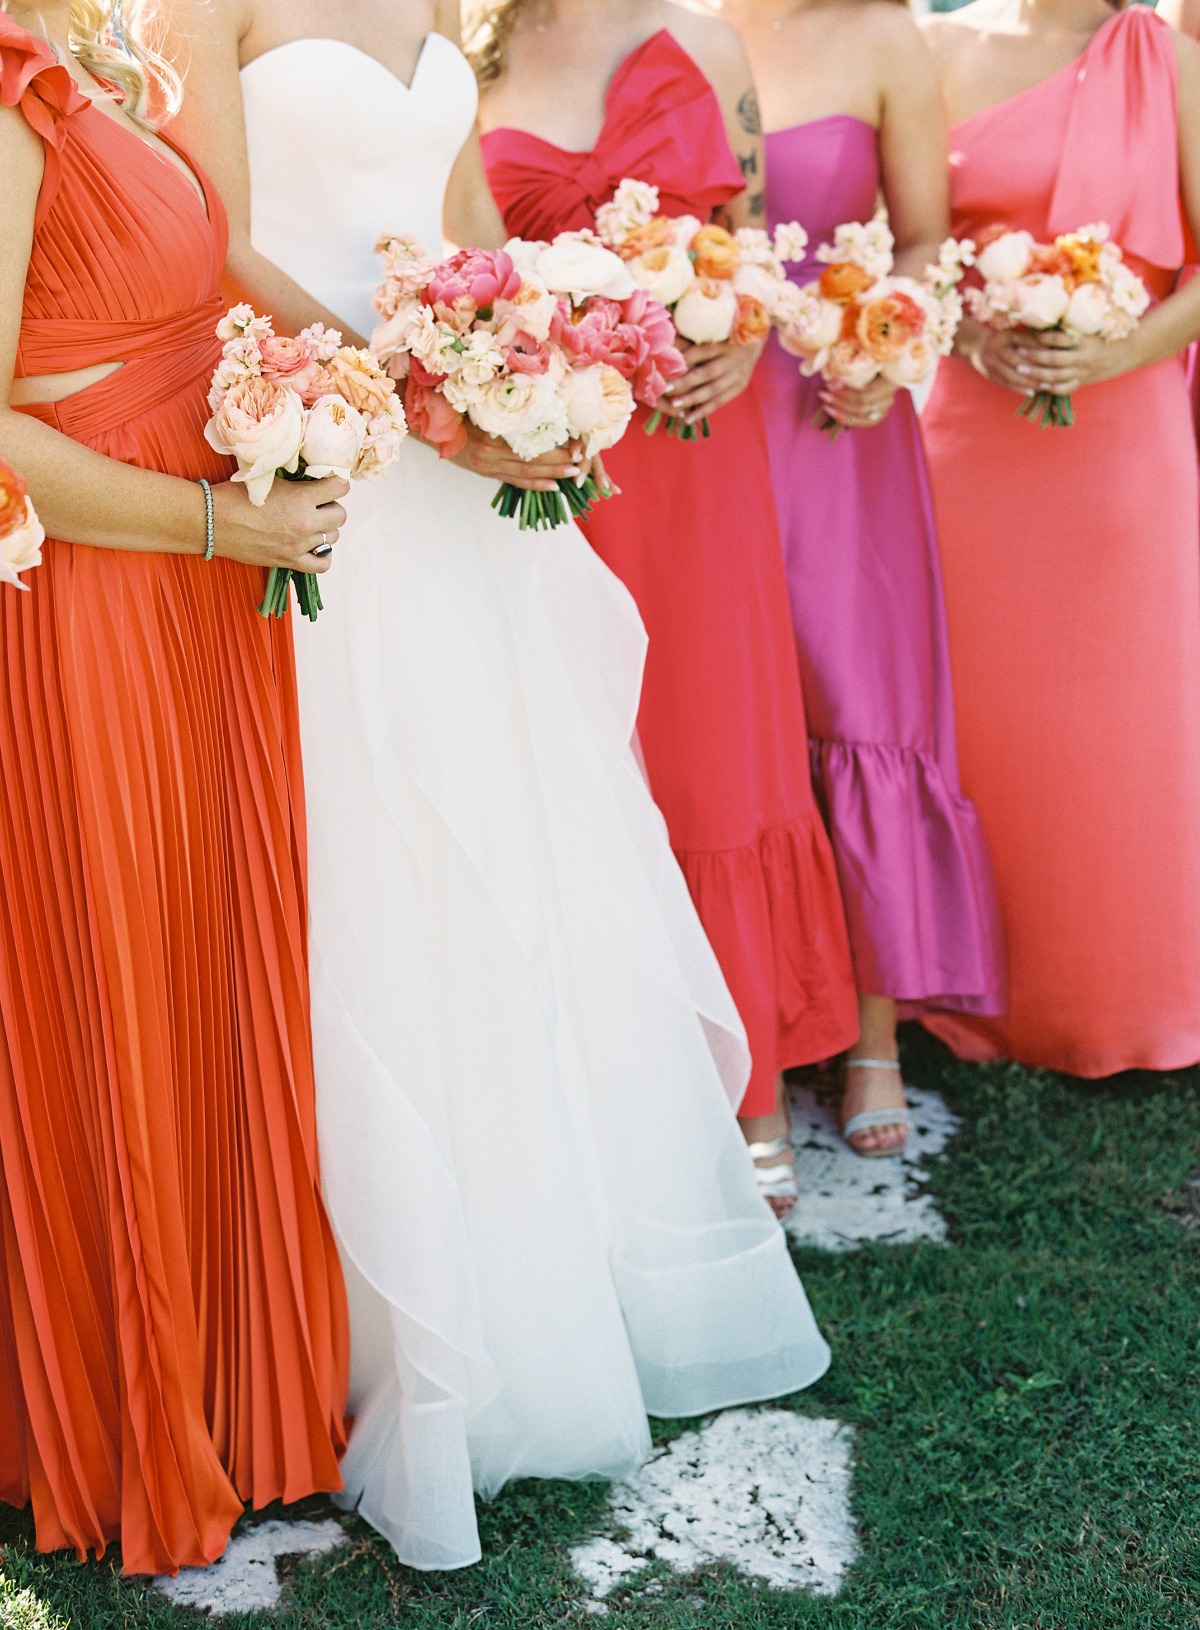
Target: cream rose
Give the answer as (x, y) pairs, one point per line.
(1006, 257)
(577, 270)
(707, 311)
(381, 446)
(333, 438)
(850, 366)
(599, 406)
(261, 424)
(1087, 309)
(21, 549)
(914, 365)
(812, 327)
(358, 377)
(1041, 301)
(664, 273)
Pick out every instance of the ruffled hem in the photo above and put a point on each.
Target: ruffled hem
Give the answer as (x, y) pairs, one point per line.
(916, 877)
(773, 913)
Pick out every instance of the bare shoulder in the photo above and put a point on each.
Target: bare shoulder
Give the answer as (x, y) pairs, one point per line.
(947, 36)
(188, 20)
(1181, 14)
(715, 45)
(1187, 55)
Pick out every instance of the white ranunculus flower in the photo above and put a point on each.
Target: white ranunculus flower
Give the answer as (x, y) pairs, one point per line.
(1087, 309)
(599, 404)
(664, 273)
(813, 326)
(758, 283)
(21, 550)
(576, 269)
(1006, 257)
(524, 410)
(333, 438)
(1041, 301)
(914, 365)
(707, 311)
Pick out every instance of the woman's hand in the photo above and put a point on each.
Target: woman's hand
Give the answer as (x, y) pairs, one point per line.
(995, 353)
(1062, 363)
(493, 459)
(286, 529)
(859, 409)
(716, 374)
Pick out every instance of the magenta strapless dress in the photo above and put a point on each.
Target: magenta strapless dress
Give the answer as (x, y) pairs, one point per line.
(861, 551)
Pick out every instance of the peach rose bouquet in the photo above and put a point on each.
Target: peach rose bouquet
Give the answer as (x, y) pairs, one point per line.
(299, 408)
(718, 286)
(858, 322)
(538, 344)
(21, 534)
(1079, 285)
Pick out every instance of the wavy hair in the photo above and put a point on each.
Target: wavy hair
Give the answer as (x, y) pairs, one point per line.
(114, 40)
(487, 25)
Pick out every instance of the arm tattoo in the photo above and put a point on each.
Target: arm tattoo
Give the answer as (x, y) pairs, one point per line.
(755, 205)
(749, 164)
(748, 115)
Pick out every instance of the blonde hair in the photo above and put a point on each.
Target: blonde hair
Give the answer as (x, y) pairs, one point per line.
(487, 25)
(114, 41)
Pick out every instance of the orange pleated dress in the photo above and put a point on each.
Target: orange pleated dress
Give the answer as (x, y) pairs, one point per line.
(1071, 561)
(173, 1336)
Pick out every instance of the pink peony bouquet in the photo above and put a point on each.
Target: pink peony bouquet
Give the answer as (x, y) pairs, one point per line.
(299, 408)
(21, 534)
(539, 344)
(1078, 285)
(857, 322)
(719, 286)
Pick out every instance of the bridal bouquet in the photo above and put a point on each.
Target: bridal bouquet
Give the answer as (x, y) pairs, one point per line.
(296, 408)
(1078, 285)
(857, 322)
(21, 534)
(538, 344)
(717, 285)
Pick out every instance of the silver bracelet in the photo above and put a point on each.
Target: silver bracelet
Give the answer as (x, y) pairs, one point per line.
(210, 521)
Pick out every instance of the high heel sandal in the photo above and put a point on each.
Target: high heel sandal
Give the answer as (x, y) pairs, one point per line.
(871, 1118)
(775, 1182)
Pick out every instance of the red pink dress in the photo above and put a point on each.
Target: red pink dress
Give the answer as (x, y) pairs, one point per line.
(695, 538)
(172, 1322)
(1072, 577)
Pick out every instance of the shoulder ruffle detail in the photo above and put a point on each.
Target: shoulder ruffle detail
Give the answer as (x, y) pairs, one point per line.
(33, 79)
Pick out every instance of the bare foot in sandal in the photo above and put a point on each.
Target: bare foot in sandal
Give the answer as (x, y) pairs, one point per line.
(770, 1141)
(874, 1117)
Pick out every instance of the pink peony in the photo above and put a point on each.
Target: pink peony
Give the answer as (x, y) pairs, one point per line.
(661, 359)
(478, 277)
(432, 419)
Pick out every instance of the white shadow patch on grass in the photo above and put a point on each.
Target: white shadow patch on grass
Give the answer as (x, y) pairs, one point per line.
(763, 1490)
(246, 1579)
(846, 1201)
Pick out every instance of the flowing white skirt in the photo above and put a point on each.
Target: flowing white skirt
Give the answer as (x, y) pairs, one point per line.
(526, 1054)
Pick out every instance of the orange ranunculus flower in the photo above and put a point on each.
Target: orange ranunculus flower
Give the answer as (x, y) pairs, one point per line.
(13, 493)
(716, 252)
(1081, 258)
(654, 235)
(752, 323)
(886, 325)
(1050, 260)
(845, 280)
(850, 316)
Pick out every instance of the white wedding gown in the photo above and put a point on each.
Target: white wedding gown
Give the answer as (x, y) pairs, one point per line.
(525, 1052)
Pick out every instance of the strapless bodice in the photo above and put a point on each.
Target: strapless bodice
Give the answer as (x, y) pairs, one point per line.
(342, 151)
(822, 174)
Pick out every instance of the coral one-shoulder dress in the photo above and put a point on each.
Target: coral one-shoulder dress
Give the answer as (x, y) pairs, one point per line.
(1072, 578)
(172, 1320)
(694, 537)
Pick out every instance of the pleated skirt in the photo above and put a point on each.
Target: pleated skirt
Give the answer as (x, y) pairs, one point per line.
(173, 1337)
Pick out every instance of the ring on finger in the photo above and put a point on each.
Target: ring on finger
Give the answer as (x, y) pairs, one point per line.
(324, 547)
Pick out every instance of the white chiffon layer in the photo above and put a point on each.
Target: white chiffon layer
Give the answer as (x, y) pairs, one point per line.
(526, 1055)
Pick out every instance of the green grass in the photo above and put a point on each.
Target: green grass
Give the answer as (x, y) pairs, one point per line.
(1027, 1406)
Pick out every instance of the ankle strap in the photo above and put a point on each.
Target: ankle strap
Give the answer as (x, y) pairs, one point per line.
(872, 1064)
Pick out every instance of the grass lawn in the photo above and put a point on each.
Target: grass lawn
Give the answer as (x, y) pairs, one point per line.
(1027, 1407)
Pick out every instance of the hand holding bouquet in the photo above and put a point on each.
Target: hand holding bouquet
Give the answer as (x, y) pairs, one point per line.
(304, 407)
(1078, 285)
(720, 287)
(21, 534)
(858, 323)
(538, 344)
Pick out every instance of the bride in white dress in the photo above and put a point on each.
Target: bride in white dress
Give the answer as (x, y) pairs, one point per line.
(526, 1056)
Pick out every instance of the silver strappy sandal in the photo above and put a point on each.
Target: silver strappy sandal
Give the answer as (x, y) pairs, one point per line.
(876, 1117)
(775, 1182)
